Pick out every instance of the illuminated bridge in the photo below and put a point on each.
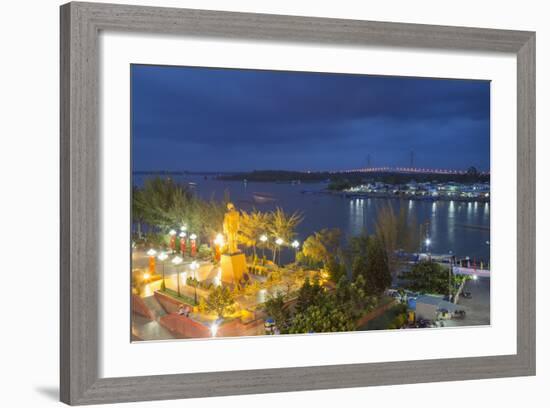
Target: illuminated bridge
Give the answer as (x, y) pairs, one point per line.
(417, 170)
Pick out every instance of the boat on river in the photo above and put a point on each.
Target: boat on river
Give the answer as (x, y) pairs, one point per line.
(262, 198)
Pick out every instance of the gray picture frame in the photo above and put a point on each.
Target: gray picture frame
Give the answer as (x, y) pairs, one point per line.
(80, 191)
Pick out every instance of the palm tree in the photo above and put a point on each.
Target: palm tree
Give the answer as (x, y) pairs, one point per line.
(282, 226)
(252, 226)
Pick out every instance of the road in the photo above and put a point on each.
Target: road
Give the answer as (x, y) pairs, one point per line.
(478, 308)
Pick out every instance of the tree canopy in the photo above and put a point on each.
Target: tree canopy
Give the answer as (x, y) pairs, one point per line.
(220, 300)
(427, 277)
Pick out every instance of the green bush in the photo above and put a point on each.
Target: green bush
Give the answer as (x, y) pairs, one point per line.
(205, 251)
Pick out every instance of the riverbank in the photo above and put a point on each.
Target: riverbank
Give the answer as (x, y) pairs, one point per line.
(403, 196)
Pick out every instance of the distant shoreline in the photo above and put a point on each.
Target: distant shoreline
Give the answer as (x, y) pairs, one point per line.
(398, 196)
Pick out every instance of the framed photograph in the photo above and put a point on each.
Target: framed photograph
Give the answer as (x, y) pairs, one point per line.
(261, 203)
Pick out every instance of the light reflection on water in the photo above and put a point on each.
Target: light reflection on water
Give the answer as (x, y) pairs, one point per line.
(460, 227)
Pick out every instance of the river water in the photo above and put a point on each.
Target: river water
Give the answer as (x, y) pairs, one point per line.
(460, 227)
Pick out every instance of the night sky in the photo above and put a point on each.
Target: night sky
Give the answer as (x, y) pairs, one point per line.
(207, 119)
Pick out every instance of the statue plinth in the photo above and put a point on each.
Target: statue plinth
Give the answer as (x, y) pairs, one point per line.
(233, 267)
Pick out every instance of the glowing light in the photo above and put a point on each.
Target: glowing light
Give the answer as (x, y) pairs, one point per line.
(279, 241)
(193, 236)
(182, 234)
(163, 256)
(218, 278)
(177, 260)
(214, 329)
(428, 241)
(262, 295)
(151, 252)
(474, 277)
(194, 265)
(295, 244)
(146, 275)
(219, 240)
(172, 232)
(263, 238)
(183, 228)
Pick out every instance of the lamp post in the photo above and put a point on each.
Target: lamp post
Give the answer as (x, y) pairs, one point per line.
(428, 242)
(218, 244)
(172, 233)
(177, 261)
(193, 239)
(295, 244)
(214, 328)
(279, 242)
(183, 247)
(263, 240)
(194, 266)
(162, 257)
(151, 254)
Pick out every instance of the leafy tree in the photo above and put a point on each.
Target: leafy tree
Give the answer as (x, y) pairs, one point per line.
(163, 204)
(138, 215)
(194, 283)
(352, 296)
(322, 245)
(369, 260)
(308, 262)
(275, 308)
(358, 254)
(396, 232)
(408, 231)
(335, 269)
(252, 225)
(322, 318)
(204, 252)
(427, 277)
(377, 274)
(310, 294)
(221, 301)
(387, 234)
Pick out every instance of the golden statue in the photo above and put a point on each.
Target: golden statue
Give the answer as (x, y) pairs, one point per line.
(232, 263)
(231, 228)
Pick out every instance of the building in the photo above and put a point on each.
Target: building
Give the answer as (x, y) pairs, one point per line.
(431, 307)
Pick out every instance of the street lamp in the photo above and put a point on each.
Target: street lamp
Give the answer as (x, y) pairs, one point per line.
(193, 239)
(176, 261)
(172, 234)
(194, 266)
(214, 328)
(162, 257)
(428, 242)
(263, 240)
(279, 242)
(295, 244)
(182, 236)
(218, 244)
(151, 254)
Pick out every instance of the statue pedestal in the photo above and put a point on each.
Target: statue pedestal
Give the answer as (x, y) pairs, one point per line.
(233, 267)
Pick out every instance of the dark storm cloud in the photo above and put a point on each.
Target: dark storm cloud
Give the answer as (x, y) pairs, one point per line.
(220, 119)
